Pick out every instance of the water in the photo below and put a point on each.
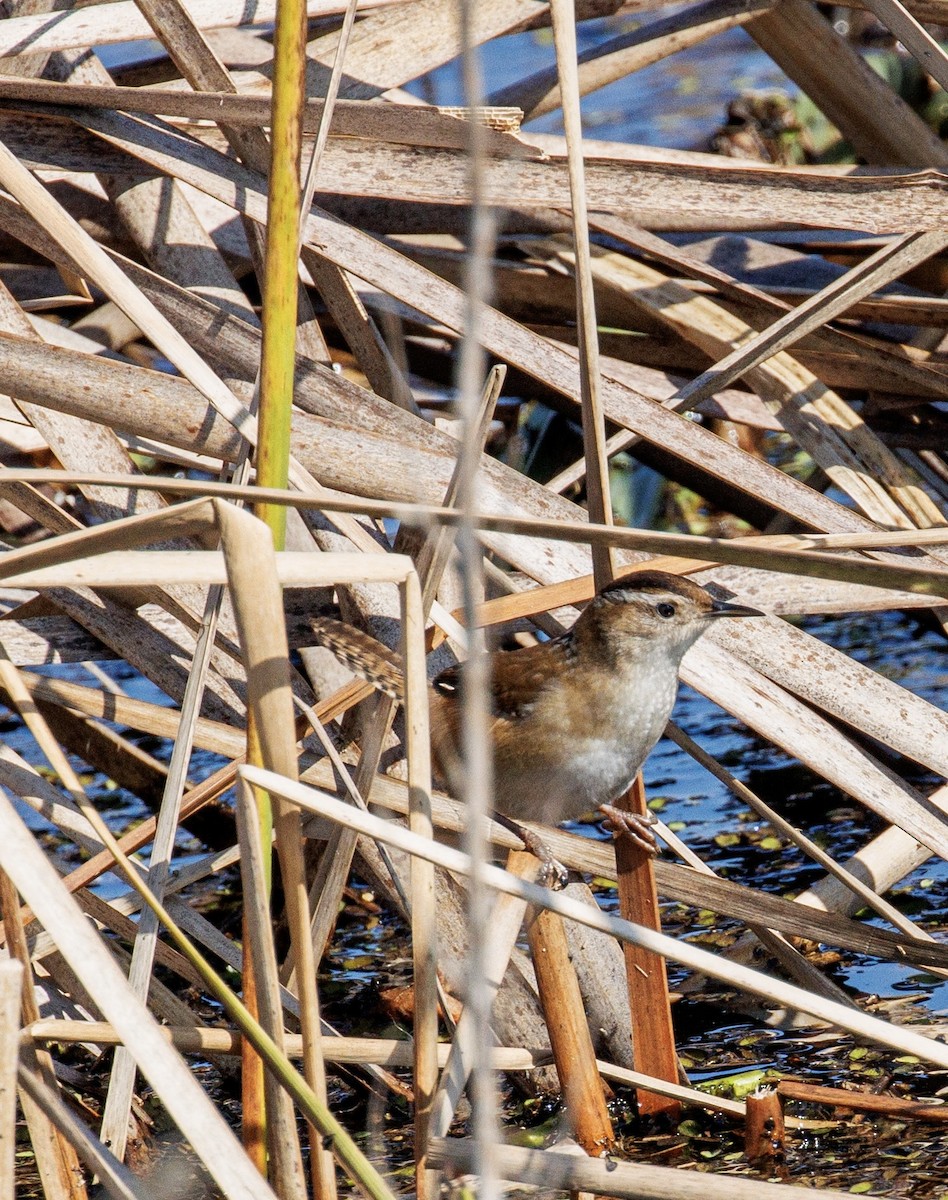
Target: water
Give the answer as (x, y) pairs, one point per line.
(677, 103)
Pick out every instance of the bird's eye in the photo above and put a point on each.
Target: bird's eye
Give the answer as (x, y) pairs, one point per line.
(665, 609)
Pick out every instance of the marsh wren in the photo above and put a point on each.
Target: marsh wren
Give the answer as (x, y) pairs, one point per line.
(573, 718)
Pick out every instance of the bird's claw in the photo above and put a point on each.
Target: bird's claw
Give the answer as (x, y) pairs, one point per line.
(635, 826)
(552, 873)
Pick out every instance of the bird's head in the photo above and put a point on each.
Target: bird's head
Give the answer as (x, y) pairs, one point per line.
(652, 610)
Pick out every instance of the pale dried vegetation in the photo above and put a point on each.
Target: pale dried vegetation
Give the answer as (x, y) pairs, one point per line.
(131, 211)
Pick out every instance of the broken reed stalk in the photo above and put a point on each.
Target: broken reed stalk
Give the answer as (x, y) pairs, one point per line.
(765, 1135)
(652, 1032)
(432, 559)
(565, 1017)
(258, 602)
(284, 1161)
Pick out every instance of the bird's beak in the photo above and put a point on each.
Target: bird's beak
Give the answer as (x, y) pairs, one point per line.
(723, 608)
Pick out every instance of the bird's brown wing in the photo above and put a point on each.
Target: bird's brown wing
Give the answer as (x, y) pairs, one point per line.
(516, 680)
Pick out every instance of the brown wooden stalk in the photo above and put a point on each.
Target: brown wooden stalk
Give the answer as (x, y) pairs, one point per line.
(271, 738)
(653, 1036)
(571, 1043)
(891, 1106)
(765, 1137)
(252, 1108)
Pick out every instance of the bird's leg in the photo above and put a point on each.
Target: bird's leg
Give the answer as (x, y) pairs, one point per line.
(552, 873)
(638, 828)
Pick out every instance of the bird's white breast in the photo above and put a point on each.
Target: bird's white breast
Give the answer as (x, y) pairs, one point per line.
(604, 761)
(602, 742)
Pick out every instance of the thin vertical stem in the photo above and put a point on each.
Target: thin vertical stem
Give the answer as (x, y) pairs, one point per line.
(424, 935)
(278, 345)
(281, 1123)
(478, 764)
(277, 371)
(594, 430)
(325, 120)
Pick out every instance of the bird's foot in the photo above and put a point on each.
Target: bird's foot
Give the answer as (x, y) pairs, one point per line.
(552, 873)
(638, 828)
